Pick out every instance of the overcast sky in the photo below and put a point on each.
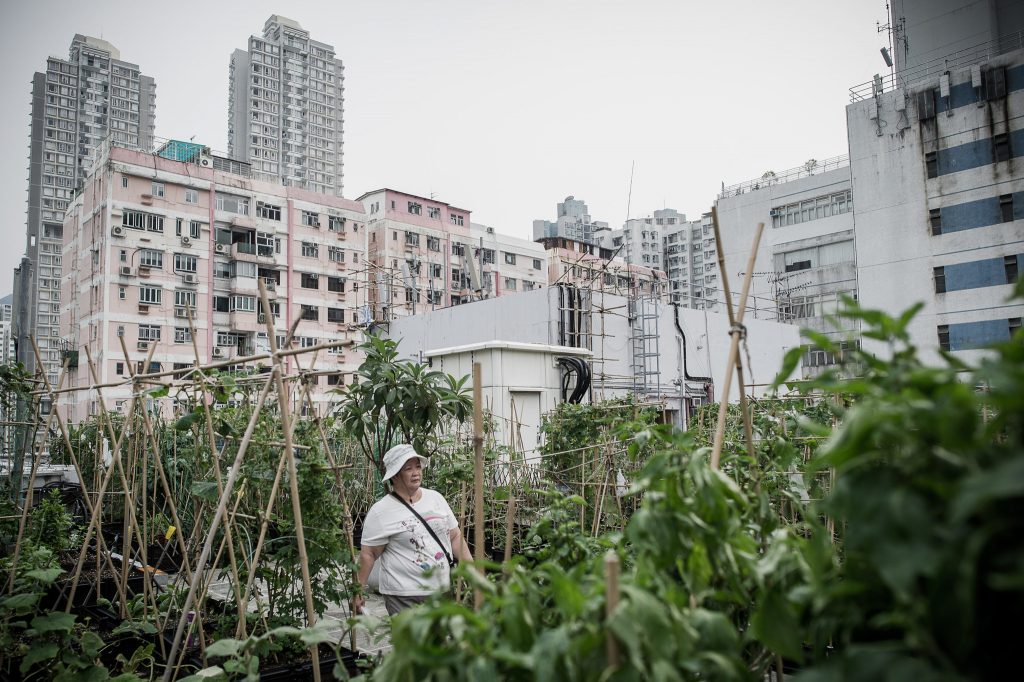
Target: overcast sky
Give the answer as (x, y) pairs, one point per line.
(502, 108)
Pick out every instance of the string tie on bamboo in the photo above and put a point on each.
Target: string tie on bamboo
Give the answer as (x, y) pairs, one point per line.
(740, 329)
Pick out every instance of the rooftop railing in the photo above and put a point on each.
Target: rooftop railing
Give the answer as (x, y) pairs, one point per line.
(967, 56)
(812, 167)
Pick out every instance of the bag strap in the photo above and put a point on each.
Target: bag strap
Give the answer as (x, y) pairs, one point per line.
(426, 525)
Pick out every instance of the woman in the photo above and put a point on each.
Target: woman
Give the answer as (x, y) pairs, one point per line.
(414, 557)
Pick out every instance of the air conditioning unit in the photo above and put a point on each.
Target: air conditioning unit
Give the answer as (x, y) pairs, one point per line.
(186, 241)
(126, 271)
(221, 248)
(190, 279)
(775, 211)
(180, 312)
(143, 309)
(142, 345)
(143, 271)
(218, 352)
(206, 158)
(117, 231)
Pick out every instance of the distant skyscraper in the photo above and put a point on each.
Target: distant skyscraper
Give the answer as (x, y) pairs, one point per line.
(285, 108)
(76, 105)
(573, 222)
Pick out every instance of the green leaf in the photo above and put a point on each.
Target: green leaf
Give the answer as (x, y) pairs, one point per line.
(37, 653)
(56, 621)
(45, 575)
(20, 601)
(224, 647)
(91, 644)
(775, 624)
(205, 490)
(315, 635)
(214, 673)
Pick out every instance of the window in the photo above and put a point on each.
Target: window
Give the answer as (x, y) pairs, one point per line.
(122, 293)
(151, 258)
(335, 254)
(336, 284)
(221, 270)
(226, 339)
(149, 332)
(931, 162)
(243, 304)
(138, 220)
(310, 250)
(415, 209)
(311, 219)
(184, 298)
(233, 203)
(935, 220)
(310, 312)
(191, 196)
(195, 229)
(455, 219)
(335, 314)
(412, 239)
(124, 181)
(1010, 267)
(411, 295)
(434, 244)
(434, 212)
(335, 223)
(939, 274)
(182, 335)
(268, 211)
(1000, 147)
(458, 249)
(1006, 208)
(435, 269)
(335, 379)
(119, 366)
(536, 263)
(158, 189)
(511, 284)
(309, 280)
(221, 304)
(177, 226)
(1014, 324)
(510, 258)
(184, 263)
(488, 255)
(995, 82)
(150, 295)
(943, 331)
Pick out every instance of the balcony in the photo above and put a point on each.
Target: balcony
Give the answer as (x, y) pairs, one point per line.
(251, 253)
(244, 322)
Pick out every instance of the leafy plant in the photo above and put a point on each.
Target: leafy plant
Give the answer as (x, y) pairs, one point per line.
(393, 399)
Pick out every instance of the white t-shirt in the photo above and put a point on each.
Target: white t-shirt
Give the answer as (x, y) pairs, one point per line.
(412, 563)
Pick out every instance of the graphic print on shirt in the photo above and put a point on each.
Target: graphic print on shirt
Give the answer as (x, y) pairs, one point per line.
(421, 541)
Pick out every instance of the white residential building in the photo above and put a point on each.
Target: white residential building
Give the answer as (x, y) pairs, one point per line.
(573, 222)
(286, 97)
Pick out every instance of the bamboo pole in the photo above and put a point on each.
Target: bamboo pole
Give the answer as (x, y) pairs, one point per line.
(733, 362)
(215, 457)
(510, 515)
(31, 483)
(293, 476)
(478, 477)
(611, 602)
(218, 514)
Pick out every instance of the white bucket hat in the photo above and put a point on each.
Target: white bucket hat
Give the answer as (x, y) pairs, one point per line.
(396, 457)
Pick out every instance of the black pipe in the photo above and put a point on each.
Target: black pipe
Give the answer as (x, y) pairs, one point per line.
(686, 373)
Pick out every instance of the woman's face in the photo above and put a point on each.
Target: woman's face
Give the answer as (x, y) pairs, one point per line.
(410, 476)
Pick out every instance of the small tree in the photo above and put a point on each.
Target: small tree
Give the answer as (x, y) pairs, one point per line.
(393, 399)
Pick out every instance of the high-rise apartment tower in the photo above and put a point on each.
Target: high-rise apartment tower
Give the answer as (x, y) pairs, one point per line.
(77, 104)
(285, 108)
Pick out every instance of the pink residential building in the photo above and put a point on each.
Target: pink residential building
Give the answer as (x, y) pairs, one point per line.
(420, 254)
(151, 241)
(593, 267)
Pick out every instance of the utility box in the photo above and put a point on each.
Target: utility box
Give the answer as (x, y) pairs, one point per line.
(520, 382)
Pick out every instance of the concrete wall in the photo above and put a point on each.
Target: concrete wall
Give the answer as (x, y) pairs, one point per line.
(908, 224)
